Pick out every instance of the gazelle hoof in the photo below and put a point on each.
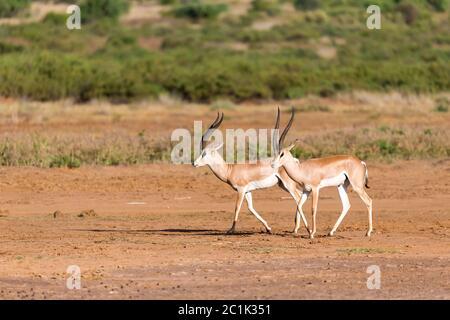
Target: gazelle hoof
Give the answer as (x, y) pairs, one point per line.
(231, 231)
(368, 233)
(331, 233)
(269, 231)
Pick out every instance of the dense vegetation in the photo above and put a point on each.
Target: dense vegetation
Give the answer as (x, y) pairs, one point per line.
(205, 52)
(101, 9)
(117, 148)
(10, 8)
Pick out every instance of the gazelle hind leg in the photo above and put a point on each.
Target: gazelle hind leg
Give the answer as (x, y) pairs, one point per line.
(248, 197)
(368, 202)
(293, 192)
(300, 213)
(296, 193)
(342, 189)
(298, 196)
(315, 202)
(239, 200)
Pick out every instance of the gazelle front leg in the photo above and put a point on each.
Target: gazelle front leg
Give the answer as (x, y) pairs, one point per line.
(315, 202)
(248, 197)
(239, 200)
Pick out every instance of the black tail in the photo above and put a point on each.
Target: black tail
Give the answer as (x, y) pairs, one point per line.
(366, 176)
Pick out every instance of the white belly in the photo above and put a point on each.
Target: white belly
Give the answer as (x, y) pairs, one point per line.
(261, 184)
(334, 181)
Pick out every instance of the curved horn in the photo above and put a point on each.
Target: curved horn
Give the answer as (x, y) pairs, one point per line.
(288, 126)
(211, 129)
(276, 133)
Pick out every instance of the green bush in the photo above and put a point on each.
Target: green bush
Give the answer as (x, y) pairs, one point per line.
(442, 105)
(68, 161)
(386, 147)
(9, 8)
(196, 10)
(55, 19)
(167, 2)
(269, 7)
(408, 11)
(8, 48)
(307, 4)
(439, 5)
(122, 74)
(313, 108)
(228, 60)
(92, 10)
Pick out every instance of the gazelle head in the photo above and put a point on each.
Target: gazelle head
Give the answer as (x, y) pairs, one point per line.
(283, 155)
(209, 153)
(209, 156)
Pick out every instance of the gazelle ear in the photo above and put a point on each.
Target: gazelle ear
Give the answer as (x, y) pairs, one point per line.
(292, 145)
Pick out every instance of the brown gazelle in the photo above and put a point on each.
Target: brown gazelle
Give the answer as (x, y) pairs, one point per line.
(314, 174)
(246, 177)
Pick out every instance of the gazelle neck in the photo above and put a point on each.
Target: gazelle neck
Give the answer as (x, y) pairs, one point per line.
(220, 168)
(292, 168)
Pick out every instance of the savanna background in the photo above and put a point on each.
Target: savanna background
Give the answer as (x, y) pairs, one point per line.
(85, 123)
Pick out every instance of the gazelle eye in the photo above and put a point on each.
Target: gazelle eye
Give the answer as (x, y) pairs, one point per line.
(282, 154)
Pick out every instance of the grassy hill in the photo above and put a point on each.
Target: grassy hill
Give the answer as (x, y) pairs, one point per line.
(238, 50)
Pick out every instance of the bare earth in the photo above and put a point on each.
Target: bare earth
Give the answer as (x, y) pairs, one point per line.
(159, 233)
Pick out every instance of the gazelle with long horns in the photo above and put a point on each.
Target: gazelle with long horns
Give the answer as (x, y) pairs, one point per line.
(246, 177)
(314, 174)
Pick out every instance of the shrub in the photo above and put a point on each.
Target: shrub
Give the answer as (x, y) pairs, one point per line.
(9, 8)
(222, 104)
(408, 11)
(317, 16)
(267, 6)
(442, 105)
(55, 19)
(313, 108)
(68, 161)
(196, 10)
(103, 9)
(439, 5)
(307, 4)
(167, 2)
(7, 48)
(386, 147)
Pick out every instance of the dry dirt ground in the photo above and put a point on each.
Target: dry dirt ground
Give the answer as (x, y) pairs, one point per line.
(158, 232)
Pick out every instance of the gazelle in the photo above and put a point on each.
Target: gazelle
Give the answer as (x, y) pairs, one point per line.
(314, 174)
(244, 178)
